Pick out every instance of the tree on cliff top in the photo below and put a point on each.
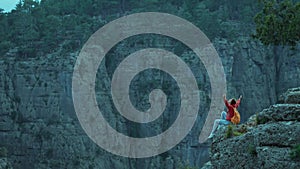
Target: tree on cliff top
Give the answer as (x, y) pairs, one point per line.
(278, 23)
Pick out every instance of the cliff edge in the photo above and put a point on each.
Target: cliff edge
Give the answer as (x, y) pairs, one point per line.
(269, 139)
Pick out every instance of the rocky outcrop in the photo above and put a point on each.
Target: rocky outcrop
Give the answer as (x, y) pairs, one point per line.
(279, 112)
(267, 140)
(292, 96)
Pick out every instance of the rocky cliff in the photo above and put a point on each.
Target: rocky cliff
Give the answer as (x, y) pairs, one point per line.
(269, 139)
(39, 128)
(4, 164)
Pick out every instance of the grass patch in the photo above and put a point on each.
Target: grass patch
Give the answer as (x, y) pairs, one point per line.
(229, 131)
(295, 152)
(233, 131)
(236, 133)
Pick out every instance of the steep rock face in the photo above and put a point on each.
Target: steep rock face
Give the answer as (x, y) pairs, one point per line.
(259, 73)
(267, 145)
(4, 164)
(40, 129)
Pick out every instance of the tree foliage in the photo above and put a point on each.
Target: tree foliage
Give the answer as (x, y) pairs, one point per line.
(36, 28)
(278, 23)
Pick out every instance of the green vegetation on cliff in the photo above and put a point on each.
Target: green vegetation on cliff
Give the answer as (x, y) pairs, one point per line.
(3, 152)
(36, 28)
(295, 153)
(278, 23)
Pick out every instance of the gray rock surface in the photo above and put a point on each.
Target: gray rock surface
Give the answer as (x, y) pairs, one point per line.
(207, 165)
(267, 145)
(4, 164)
(292, 96)
(280, 112)
(40, 129)
(259, 73)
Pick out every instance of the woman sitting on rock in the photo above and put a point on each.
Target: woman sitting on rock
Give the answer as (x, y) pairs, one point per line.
(226, 117)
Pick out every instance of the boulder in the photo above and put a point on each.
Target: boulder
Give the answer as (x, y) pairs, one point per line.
(292, 96)
(279, 112)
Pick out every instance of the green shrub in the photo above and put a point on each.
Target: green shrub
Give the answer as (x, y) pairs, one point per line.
(229, 132)
(256, 119)
(233, 130)
(3, 152)
(252, 150)
(261, 120)
(295, 152)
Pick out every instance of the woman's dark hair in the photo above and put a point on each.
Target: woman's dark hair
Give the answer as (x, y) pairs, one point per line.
(232, 102)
